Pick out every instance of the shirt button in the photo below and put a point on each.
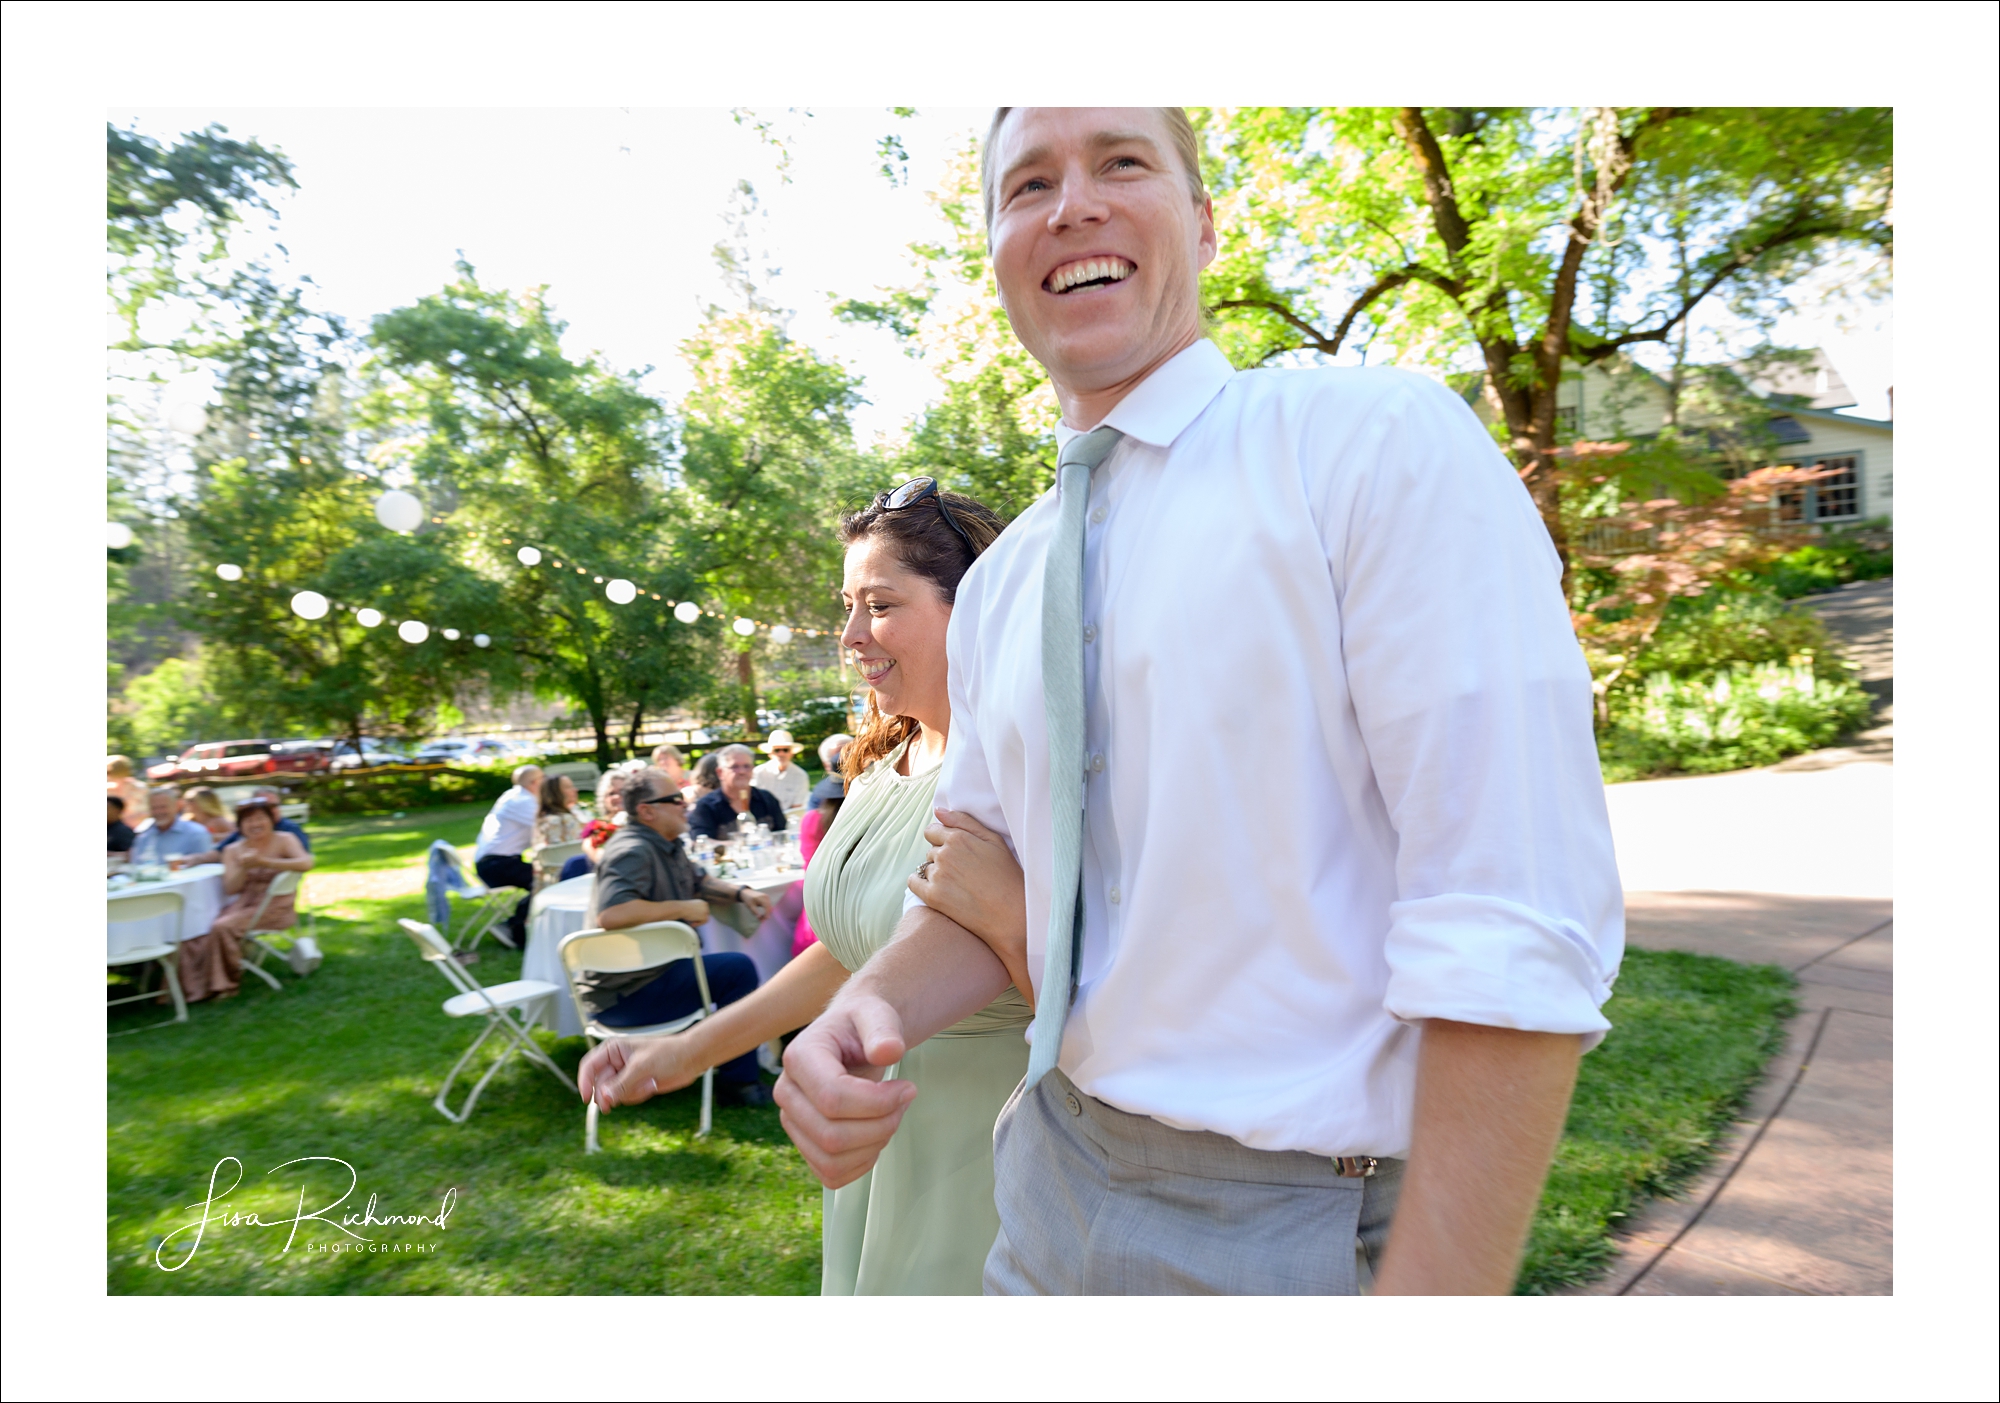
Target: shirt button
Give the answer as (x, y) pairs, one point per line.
(1075, 1106)
(1090, 633)
(1114, 896)
(1097, 517)
(1097, 763)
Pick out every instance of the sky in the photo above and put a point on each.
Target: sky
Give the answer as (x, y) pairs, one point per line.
(618, 210)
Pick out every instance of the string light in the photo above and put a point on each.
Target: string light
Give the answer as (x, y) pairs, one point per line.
(685, 610)
(232, 573)
(117, 536)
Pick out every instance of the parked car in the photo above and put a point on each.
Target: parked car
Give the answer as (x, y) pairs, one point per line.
(372, 753)
(459, 750)
(303, 756)
(215, 761)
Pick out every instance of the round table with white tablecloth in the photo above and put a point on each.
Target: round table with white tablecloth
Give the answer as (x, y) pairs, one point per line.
(559, 910)
(200, 889)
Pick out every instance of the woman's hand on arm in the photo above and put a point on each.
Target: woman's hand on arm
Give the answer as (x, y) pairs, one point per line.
(624, 1072)
(974, 880)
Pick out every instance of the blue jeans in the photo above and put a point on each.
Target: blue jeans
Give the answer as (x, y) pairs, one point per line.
(675, 995)
(578, 866)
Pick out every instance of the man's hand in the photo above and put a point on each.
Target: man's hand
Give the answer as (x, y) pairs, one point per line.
(1490, 1108)
(625, 1071)
(972, 878)
(758, 903)
(832, 1100)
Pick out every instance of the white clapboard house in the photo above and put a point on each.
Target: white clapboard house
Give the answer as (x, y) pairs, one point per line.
(1621, 399)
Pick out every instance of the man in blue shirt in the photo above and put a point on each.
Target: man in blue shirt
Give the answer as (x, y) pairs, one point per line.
(715, 813)
(166, 834)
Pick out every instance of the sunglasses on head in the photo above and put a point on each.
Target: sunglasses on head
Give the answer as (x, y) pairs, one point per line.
(920, 489)
(662, 799)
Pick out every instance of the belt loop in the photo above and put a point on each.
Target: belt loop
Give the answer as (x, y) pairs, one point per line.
(1355, 1166)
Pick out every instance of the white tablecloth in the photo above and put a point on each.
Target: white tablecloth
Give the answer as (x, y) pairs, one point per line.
(201, 901)
(559, 910)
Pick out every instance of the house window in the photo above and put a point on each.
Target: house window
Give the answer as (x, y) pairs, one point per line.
(1835, 497)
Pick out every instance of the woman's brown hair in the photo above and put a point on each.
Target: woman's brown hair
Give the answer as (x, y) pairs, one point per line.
(924, 544)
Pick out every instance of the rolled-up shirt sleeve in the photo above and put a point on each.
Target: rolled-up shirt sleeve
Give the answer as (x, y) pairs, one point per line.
(1474, 703)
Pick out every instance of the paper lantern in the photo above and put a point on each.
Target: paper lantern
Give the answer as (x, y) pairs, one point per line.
(368, 618)
(399, 511)
(621, 591)
(780, 634)
(117, 535)
(480, 640)
(187, 419)
(528, 555)
(687, 611)
(231, 573)
(744, 627)
(309, 604)
(451, 635)
(410, 631)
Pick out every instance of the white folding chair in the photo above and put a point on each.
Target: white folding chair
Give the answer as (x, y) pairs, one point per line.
(549, 862)
(489, 906)
(259, 944)
(506, 1007)
(580, 772)
(133, 948)
(622, 952)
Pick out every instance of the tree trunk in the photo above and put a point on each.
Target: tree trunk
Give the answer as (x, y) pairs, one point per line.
(638, 718)
(747, 676)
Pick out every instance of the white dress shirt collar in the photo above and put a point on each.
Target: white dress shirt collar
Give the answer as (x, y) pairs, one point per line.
(1168, 400)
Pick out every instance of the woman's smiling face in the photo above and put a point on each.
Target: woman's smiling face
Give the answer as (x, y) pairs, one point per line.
(895, 627)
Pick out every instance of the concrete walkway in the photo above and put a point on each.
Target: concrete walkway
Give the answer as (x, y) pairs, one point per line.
(1791, 866)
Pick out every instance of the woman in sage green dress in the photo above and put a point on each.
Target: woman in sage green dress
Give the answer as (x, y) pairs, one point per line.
(921, 1222)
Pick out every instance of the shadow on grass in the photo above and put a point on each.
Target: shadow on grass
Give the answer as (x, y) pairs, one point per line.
(344, 1064)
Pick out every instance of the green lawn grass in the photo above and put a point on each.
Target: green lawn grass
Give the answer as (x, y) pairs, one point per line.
(344, 1064)
(380, 843)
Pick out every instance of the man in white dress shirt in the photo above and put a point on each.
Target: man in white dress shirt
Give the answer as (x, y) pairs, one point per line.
(1394, 957)
(507, 831)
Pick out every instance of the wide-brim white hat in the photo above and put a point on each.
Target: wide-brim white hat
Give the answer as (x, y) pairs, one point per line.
(783, 738)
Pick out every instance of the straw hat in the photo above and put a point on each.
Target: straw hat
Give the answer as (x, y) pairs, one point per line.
(783, 738)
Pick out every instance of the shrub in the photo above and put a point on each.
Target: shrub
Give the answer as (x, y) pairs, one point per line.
(1744, 716)
(1725, 627)
(393, 789)
(1828, 564)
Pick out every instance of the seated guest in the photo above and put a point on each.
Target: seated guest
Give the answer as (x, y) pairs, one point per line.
(556, 821)
(610, 809)
(715, 814)
(118, 780)
(645, 876)
(117, 833)
(783, 780)
(268, 796)
(669, 761)
(830, 751)
(211, 965)
(705, 781)
(507, 832)
(823, 803)
(204, 806)
(166, 834)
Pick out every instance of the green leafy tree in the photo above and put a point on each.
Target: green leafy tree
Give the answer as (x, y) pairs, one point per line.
(1524, 239)
(514, 443)
(991, 433)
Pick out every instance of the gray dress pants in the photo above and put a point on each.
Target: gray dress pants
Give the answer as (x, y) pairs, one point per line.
(1096, 1202)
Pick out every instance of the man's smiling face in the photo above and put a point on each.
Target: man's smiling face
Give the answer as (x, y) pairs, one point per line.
(1098, 242)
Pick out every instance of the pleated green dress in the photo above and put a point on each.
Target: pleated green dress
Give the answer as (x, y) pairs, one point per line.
(921, 1222)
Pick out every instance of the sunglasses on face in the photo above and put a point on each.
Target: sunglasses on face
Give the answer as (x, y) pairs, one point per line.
(921, 489)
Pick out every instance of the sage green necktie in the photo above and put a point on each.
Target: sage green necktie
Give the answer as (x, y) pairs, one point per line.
(1062, 691)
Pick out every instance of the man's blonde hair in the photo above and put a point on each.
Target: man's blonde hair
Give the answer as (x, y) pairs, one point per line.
(1179, 129)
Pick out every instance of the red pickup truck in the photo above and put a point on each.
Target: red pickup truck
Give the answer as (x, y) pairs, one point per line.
(241, 759)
